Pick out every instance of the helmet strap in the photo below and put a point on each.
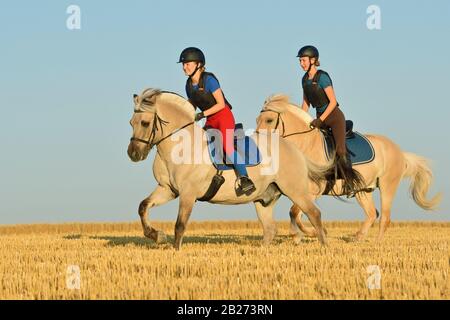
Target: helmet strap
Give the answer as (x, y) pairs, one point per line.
(310, 65)
(195, 71)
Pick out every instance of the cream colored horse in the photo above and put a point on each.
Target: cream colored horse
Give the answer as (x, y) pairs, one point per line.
(388, 168)
(158, 115)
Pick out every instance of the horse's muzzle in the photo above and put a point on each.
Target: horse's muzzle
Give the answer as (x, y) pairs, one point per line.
(135, 153)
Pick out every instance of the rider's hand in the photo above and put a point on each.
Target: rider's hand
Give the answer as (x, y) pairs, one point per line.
(316, 123)
(199, 116)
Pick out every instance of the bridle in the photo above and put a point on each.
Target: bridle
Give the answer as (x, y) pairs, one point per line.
(280, 119)
(157, 121)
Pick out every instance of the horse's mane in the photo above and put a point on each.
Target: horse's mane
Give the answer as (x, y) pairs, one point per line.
(150, 93)
(280, 103)
(148, 98)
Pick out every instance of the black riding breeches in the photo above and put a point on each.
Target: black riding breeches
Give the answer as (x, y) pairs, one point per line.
(336, 121)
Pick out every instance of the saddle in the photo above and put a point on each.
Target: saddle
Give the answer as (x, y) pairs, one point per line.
(243, 144)
(359, 147)
(348, 130)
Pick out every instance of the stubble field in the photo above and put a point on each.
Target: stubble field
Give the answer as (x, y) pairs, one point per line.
(222, 260)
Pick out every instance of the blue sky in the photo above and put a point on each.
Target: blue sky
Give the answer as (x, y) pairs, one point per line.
(66, 94)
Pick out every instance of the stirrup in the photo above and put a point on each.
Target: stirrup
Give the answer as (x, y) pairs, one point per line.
(248, 189)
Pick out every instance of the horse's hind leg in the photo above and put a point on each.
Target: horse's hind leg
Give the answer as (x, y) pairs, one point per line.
(388, 188)
(265, 216)
(158, 197)
(365, 200)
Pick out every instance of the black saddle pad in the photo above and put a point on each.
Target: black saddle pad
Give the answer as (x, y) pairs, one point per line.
(358, 146)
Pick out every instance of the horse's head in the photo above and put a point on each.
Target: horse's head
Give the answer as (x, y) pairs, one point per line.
(142, 123)
(279, 114)
(149, 126)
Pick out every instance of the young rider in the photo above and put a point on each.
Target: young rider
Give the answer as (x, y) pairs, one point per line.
(318, 91)
(204, 92)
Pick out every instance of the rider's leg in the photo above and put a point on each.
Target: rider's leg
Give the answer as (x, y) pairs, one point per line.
(245, 182)
(336, 120)
(352, 180)
(226, 127)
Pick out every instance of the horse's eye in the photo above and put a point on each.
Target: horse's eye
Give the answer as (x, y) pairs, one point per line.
(269, 121)
(145, 124)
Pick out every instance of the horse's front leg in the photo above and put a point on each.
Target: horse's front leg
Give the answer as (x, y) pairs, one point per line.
(158, 197)
(184, 212)
(265, 216)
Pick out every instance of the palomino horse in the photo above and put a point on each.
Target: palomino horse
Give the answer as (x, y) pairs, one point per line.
(386, 171)
(159, 115)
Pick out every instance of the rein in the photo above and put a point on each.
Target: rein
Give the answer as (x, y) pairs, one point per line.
(279, 118)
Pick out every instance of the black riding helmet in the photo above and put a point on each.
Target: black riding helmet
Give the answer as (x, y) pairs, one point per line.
(192, 54)
(308, 51)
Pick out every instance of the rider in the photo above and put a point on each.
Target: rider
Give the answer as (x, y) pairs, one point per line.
(204, 92)
(318, 91)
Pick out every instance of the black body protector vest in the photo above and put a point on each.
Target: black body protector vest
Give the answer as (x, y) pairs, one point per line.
(200, 98)
(313, 92)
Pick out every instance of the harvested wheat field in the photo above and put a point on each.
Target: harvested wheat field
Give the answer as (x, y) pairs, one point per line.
(222, 260)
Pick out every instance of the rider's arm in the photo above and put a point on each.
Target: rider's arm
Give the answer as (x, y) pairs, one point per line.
(305, 104)
(212, 85)
(333, 103)
(220, 103)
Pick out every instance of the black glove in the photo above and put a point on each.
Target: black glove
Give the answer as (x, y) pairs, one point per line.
(199, 116)
(316, 123)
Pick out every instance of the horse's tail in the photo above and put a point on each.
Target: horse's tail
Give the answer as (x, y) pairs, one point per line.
(353, 180)
(320, 173)
(418, 169)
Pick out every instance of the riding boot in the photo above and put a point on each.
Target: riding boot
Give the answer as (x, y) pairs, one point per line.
(245, 183)
(352, 180)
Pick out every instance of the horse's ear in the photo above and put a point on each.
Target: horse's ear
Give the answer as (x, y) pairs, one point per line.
(136, 99)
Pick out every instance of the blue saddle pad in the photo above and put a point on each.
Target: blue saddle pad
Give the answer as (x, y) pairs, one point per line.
(358, 146)
(245, 146)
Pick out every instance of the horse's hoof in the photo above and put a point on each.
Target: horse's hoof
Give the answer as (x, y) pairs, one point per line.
(161, 237)
(297, 239)
(266, 243)
(358, 237)
(349, 238)
(149, 234)
(312, 233)
(379, 241)
(323, 241)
